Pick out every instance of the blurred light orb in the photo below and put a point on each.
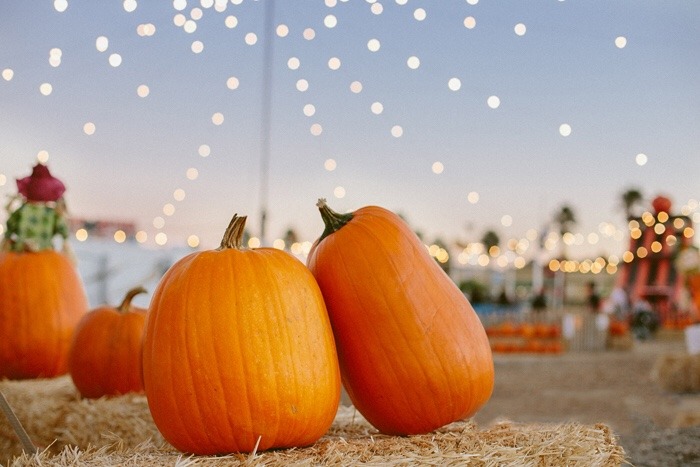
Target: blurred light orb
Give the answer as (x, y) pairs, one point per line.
(506, 220)
(190, 26)
(161, 239)
(302, 85)
(493, 101)
(43, 156)
(293, 63)
(81, 235)
(377, 8)
(334, 63)
(330, 21)
(454, 84)
(232, 83)
(179, 20)
(179, 194)
(204, 150)
(251, 38)
(309, 110)
(179, 5)
(413, 62)
(309, 34)
(158, 222)
(46, 89)
(193, 241)
(330, 165)
(377, 108)
(192, 173)
(473, 197)
(472, 2)
(331, 3)
(397, 131)
(197, 47)
(143, 91)
(115, 60)
(641, 159)
(469, 22)
(438, 167)
(316, 129)
(168, 209)
(120, 236)
(282, 30)
(89, 128)
(620, 42)
(339, 192)
(217, 119)
(101, 43)
(129, 5)
(253, 242)
(196, 13)
(60, 5)
(419, 14)
(565, 129)
(231, 22)
(520, 29)
(373, 45)
(356, 87)
(8, 74)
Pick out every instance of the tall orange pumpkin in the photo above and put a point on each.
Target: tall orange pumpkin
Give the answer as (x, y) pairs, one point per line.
(41, 301)
(105, 355)
(413, 354)
(238, 351)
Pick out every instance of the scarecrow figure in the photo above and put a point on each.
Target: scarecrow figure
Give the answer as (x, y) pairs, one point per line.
(41, 214)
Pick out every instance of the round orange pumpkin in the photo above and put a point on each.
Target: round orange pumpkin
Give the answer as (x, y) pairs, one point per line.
(238, 351)
(41, 301)
(105, 355)
(413, 354)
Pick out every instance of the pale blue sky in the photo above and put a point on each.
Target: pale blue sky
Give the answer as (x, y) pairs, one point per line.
(566, 68)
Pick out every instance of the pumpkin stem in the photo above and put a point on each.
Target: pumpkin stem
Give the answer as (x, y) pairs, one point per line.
(233, 237)
(126, 303)
(331, 219)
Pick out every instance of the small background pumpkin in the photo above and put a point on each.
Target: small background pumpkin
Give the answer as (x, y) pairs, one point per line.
(41, 301)
(105, 355)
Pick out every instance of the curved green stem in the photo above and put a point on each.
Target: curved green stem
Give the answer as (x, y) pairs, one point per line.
(332, 220)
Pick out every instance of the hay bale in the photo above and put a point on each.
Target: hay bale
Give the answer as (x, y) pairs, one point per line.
(54, 415)
(678, 372)
(89, 438)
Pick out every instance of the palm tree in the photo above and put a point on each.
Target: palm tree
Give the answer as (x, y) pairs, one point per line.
(490, 239)
(565, 219)
(631, 198)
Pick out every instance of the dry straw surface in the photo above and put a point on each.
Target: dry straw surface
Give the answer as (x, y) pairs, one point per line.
(678, 372)
(119, 431)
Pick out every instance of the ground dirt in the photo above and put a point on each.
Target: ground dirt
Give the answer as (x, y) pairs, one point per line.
(656, 427)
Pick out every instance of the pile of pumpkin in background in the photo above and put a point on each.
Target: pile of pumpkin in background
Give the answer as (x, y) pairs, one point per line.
(512, 336)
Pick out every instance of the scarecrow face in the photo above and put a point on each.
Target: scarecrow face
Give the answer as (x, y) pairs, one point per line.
(40, 186)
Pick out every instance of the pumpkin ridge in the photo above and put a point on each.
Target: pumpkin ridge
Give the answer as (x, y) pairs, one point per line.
(292, 362)
(171, 276)
(201, 313)
(418, 358)
(385, 350)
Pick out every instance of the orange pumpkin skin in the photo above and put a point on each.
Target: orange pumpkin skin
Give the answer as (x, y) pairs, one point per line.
(413, 354)
(239, 353)
(105, 355)
(41, 301)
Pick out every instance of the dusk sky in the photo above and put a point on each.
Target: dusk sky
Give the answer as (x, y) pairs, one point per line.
(462, 116)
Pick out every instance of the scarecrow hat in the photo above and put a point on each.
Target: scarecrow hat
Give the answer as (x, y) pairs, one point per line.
(40, 185)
